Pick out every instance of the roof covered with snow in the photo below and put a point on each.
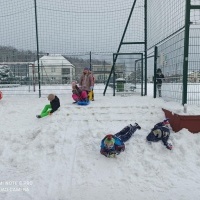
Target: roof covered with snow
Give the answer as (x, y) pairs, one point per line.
(54, 60)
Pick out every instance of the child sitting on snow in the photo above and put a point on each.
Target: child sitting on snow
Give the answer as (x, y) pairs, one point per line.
(50, 108)
(114, 144)
(160, 132)
(78, 94)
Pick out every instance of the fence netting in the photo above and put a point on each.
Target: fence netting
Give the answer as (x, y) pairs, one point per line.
(166, 30)
(85, 33)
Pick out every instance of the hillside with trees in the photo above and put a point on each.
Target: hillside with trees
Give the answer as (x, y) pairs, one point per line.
(17, 62)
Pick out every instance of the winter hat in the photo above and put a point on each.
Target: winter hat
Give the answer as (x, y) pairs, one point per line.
(86, 68)
(166, 122)
(109, 141)
(51, 97)
(74, 83)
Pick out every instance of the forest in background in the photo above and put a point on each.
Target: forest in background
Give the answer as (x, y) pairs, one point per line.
(11, 54)
(16, 67)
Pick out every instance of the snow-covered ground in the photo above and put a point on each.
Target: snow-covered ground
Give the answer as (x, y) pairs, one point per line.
(57, 157)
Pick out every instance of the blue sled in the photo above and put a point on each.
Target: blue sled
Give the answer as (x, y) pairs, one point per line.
(83, 103)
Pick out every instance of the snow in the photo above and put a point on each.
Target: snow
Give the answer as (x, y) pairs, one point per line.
(54, 60)
(57, 157)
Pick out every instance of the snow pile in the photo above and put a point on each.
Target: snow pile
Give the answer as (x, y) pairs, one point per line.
(57, 157)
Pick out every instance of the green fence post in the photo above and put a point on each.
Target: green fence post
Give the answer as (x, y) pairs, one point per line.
(186, 51)
(145, 45)
(37, 42)
(155, 68)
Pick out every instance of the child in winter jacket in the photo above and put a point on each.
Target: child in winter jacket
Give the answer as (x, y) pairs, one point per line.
(159, 78)
(112, 145)
(86, 81)
(50, 108)
(160, 132)
(78, 94)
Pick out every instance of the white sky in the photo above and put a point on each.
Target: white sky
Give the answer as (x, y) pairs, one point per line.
(59, 155)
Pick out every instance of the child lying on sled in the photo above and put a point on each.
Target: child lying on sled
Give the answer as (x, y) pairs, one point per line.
(112, 145)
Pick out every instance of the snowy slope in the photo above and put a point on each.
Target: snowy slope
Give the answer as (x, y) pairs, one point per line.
(57, 157)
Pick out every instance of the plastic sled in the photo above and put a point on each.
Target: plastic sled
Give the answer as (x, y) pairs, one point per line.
(83, 103)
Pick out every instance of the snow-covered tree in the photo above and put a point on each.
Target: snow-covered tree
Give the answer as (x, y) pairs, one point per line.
(5, 72)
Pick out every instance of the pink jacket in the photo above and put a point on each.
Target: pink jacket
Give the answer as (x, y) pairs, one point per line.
(86, 81)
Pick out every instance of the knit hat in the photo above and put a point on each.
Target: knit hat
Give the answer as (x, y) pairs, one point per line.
(86, 68)
(109, 141)
(166, 122)
(51, 97)
(74, 83)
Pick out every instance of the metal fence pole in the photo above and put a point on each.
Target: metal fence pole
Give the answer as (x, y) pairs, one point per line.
(145, 46)
(37, 43)
(114, 74)
(186, 51)
(155, 68)
(90, 61)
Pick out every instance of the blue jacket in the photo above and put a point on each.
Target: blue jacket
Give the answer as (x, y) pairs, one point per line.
(117, 148)
(159, 132)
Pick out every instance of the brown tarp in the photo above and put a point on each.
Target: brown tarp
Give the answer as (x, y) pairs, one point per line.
(177, 122)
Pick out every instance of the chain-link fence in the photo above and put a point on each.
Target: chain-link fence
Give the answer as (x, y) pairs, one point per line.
(47, 43)
(58, 71)
(175, 26)
(170, 61)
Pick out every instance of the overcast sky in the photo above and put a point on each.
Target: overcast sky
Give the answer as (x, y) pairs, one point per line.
(67, 26)
(74, 26)
(77, 27)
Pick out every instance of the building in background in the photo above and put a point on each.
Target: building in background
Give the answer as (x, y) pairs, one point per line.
(54, 69)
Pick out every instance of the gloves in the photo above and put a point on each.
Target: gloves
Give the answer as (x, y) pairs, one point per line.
(169, 146)
(111, 154)
(50, 113)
